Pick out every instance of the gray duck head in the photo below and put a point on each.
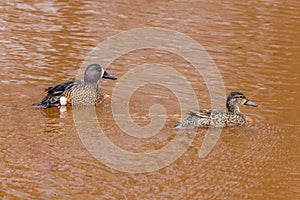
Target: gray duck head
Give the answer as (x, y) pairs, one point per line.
(235, 99)
(94, 72)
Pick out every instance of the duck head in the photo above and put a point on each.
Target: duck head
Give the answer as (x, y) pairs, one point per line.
(235, 99)
(94, 72)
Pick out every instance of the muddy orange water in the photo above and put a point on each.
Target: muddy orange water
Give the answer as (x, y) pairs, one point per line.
(255, 46)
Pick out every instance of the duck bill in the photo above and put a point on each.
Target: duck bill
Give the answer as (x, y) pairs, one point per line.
(251, 103)
(108, 76)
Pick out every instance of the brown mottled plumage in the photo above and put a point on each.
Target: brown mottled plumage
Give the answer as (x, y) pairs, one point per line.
(83, 93)
(218, 118)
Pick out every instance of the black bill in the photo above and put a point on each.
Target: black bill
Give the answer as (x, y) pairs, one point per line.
(108, 76)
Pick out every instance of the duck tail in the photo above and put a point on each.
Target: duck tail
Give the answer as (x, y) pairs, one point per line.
(43, 104)
(47, 102)
(40, 105)
(179, 126)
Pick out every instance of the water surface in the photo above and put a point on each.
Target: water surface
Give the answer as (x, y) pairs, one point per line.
(255, 45)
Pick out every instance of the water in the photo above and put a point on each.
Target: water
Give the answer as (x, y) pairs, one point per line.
(255, 45)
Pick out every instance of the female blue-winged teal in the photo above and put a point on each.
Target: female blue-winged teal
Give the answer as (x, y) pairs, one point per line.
(76, 92)
(218, 118)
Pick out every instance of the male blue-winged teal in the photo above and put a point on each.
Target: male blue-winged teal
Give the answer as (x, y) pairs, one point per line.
(82, 93)
(219, 118)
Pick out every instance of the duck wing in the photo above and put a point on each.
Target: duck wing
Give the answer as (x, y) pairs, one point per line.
(61, 88)
(196, 118)
(201, 113)
(54, 93)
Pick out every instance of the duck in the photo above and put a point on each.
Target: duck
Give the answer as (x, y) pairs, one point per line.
(219, 118)
(79, 93)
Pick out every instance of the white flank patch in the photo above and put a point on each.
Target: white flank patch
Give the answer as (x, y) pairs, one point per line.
(63, 101)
